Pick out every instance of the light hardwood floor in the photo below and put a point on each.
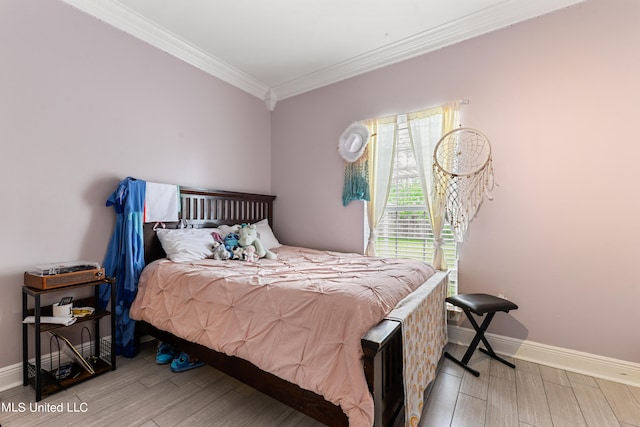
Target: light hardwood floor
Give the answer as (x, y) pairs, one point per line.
(141, 393)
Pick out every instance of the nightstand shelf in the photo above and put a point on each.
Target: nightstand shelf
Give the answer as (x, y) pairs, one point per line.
(44, 382)
(50, 384)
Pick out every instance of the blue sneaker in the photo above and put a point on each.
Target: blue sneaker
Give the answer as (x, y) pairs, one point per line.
(165, 354)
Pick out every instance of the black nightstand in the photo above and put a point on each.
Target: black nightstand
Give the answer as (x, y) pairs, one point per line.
(45, 382)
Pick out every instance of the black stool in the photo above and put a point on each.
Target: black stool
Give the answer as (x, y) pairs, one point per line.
(480, 304)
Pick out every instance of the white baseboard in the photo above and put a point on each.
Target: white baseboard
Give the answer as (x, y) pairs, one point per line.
(569, 360)
(10, 376)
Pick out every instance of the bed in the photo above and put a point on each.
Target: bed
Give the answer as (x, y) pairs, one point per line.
(379, 353)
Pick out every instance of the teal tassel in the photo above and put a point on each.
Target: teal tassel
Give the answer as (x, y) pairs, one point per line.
(356, 182)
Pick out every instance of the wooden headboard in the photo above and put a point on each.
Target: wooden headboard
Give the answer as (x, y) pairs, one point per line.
(203, 208)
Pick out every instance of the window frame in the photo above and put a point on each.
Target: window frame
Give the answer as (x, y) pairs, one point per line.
(427, 248)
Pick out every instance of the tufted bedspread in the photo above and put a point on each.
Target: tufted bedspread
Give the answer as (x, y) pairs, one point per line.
(300, 316)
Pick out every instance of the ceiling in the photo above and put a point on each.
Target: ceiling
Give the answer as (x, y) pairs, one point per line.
(275, 49)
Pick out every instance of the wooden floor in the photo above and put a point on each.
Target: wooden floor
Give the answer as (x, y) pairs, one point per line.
(141, 393)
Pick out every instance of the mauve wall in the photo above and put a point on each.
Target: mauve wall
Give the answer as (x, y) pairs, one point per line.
(83, 105)
(558, 97)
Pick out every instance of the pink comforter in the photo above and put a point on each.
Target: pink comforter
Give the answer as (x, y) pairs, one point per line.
(300, 316)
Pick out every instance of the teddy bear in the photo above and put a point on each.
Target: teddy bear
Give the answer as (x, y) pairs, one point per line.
(219, 251)
(248, 236)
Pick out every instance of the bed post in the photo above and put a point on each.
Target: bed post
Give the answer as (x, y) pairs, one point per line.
(382, 347)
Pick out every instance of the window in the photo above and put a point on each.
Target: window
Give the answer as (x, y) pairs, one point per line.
(404, 231)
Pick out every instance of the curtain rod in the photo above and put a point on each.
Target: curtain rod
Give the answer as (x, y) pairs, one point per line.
(461, 101)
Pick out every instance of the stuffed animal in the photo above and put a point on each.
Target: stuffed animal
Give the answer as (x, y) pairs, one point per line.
(248, 236)
(217, 237)
(238, 253)
(231, 242)
(219, 251)
(249, 254)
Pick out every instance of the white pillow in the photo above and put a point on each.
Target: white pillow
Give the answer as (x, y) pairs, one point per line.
(266, 236)
(186, 244)
(224, 230)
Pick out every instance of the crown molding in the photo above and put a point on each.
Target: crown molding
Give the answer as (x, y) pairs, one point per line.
(490, 19)
(494, 18)
(138, 26)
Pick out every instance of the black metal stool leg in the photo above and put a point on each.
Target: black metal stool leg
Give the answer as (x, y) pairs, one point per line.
(480, 330)
(489, 350)
(479, 334)
(474, 343)
(464, 365)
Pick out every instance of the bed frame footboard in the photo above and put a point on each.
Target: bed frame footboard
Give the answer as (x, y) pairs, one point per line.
(382, 347)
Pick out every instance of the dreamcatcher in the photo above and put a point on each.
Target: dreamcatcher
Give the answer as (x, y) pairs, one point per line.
(463, 175)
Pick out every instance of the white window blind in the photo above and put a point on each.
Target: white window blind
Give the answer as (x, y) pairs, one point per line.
(404, 230)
